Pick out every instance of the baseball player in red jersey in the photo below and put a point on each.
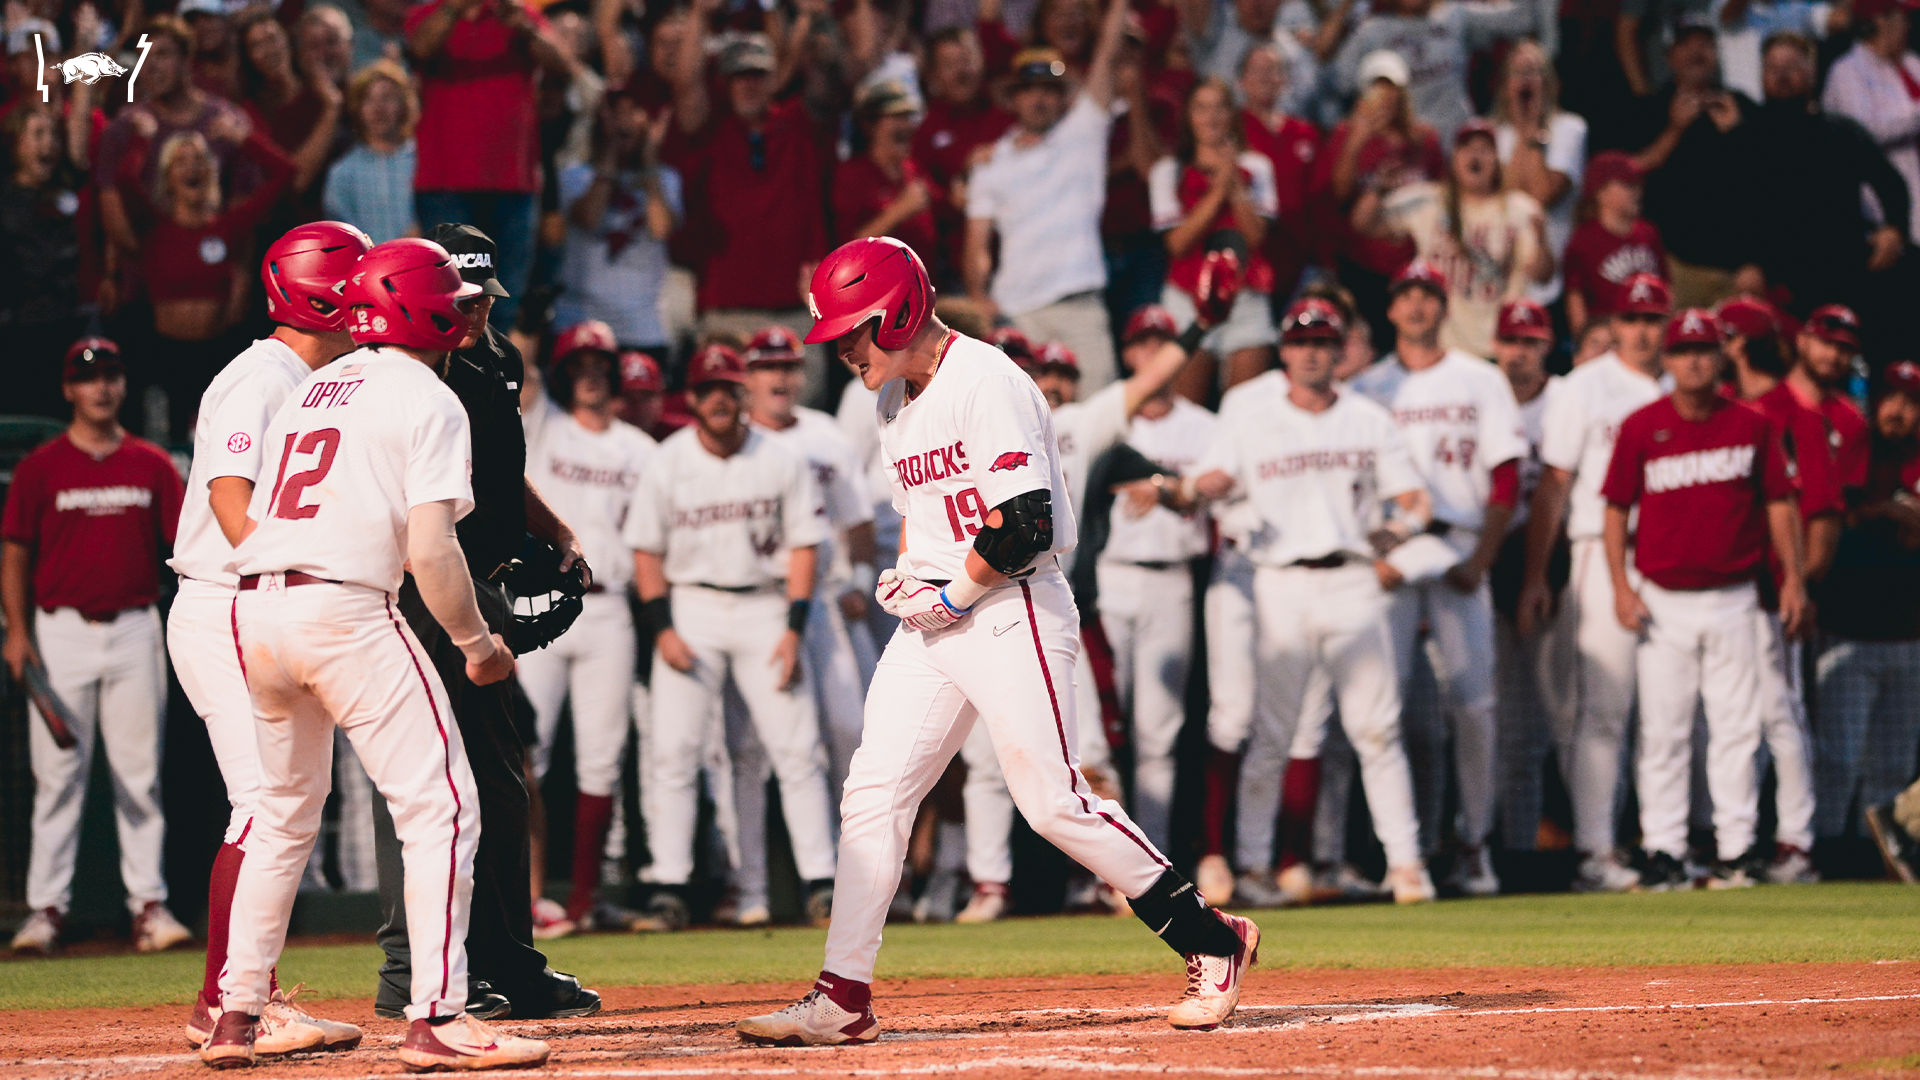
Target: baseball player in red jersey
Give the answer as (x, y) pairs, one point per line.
(88, 516)
(988, 634)
(1826, 349)
(1711, 488)
(304, 273)
(370, 459)
(1758, 367)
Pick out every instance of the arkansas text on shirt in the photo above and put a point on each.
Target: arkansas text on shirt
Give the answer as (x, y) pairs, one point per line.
(96, 526)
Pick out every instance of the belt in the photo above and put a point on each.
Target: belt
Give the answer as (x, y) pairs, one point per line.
(941, 583)
(737, 590)
(1147, 564)
(291, 578)
(1325, 562)
(98, 618)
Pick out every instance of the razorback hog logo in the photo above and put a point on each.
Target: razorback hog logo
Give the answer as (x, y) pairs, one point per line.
(90, 68)
(1009, 461)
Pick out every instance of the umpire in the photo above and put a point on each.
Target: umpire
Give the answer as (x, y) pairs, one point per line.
(507, 972)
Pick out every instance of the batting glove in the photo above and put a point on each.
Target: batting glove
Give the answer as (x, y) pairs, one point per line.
(918, 604)
(1219, 284)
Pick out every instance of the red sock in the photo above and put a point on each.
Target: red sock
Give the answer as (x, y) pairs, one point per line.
(592, 816)
(849, 995)
(226, 872)
(1299, 793)
(1223, 780)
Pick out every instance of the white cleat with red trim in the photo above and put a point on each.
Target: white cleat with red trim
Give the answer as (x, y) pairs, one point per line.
(814, 1020)
(1213, 982)
(466, 1043)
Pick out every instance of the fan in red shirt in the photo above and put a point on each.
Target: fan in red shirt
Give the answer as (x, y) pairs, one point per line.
(961, 122)
(1826, 349)
(1293, 146)
(1712, 489)
(882, 192)
(1612, 243)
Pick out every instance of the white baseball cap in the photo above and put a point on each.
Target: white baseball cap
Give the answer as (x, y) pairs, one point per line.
(1384, 64)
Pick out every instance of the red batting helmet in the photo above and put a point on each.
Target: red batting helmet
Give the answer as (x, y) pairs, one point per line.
(1015, 343)
(1150, 321)
(715, 363)
(1055, 355)
(306, 271)
(1312, 319)
(406, 292)
(1522, 318)
(592, 334)
(1691, 328)
(1419, 272)
(1647, 294)
(873, 278)
(639, 373)
(774, 345)
(1835, 323)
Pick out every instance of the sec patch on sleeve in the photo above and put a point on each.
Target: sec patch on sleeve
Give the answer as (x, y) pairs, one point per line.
(239, 443)
(1012, 459)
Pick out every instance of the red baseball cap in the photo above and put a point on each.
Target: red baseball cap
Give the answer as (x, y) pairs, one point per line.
(1870, 9)
(774, 345)
(1523, 319)
(1475, 126)
(1312, 319)
(1748, 317)
(1835, 323)
(92, 358)
(1903, 378)
(715, 363)
(1055, 355)
(1012, 341)
(1647, 294)
(1419, 272)
(639, 372)
(1613, 166)
(1691, 328)
(1150, 321)
(592, 334)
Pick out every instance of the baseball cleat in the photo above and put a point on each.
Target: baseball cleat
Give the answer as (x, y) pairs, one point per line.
(466, 1043)
(820, 905)
(814, 1020)
(1213, 982)
(1410, 884)
(1214, 878)
(550, 920)
(665, 914)
(989, 904)
(230, 1046)
(1473, 873)
(40, 933)
(1742, 873)
(280, 1029)
(1296, 885)
(1604, 872)
(1663, 873)
(1897, 849)
(1256, 889)
(281, 1012)
(156, 930)
(1790, 865)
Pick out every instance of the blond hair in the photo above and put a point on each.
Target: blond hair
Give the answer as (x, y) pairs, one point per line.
(362, 83)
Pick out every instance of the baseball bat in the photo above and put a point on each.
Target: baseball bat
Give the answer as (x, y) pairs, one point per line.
(59, 719)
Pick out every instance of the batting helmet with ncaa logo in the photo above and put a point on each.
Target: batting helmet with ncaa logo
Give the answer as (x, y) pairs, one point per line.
(406, 292)
(873, 279)
(305, 273)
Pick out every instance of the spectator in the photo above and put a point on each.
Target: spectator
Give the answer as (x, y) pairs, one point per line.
(379, 29)
(620, 210)
(960, 120)
(323, 40)
(1220, 33)
(1644, 35)
(1041, 193)
(1488, 243)
(1292, 147)
(1381, 148)
(1542, 147)
(1612, 242)
(88, 519)
(1743, 26)
(1436, 40)
(1136, 257)
(1214, 193)
(216, 62)
(479, 147)
(301, 115)
(1878, 84)
(759, 222)
(40, 301)
(881, 191)
(372, 184)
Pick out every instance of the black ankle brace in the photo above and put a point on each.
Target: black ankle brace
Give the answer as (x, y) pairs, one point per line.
(1172, 908)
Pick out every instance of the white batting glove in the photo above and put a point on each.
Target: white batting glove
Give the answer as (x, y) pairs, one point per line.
(918, 604)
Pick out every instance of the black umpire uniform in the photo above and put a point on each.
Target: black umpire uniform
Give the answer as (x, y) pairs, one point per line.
(502, 961)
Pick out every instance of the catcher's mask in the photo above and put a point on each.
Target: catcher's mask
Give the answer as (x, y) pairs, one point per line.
(552, 598)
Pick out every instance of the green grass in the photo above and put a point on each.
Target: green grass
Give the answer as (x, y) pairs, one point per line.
(1841, 922)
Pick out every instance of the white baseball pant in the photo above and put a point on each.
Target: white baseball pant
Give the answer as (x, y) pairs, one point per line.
(1263, 770)
(112, 676)
(1336, 619)
(840, 691)
(1004, 665)
(200, 643)
(1607, 673)
(1228, 611)
(737, 772)
(593, 664)
(731, 634)
(1703, 647)
(321, 656)
(1147, 613)
(1783, 729)
(1460, 629)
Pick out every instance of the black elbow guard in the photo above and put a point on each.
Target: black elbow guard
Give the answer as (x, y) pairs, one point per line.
(1025, 530)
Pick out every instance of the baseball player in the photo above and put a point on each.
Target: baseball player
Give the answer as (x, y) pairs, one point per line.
(369, 458)
(989, 634)
(642, 392)
(88, 516)
(587, 463)
(1711, 486)
(725, 531)
(304, 273)
(1462, 428)
(1577, 434)
(1826, 350)
(1758, 366)
(1317, 464)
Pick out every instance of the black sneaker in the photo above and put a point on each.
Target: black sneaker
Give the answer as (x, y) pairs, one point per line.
(665, 913)
(1897, 849)
(820, 903)
(1742, 873)
(1663, 873)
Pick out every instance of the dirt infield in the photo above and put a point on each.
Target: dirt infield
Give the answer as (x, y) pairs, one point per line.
(1695, 1023)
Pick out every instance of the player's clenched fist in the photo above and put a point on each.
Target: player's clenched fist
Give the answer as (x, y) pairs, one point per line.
(919, 604)
(674, 650)
(494, 667)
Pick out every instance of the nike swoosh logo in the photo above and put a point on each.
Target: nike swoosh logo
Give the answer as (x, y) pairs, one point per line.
(1224, 984)
(998, 630)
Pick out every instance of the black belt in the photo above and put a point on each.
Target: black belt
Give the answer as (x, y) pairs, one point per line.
(1324, 562)
(737, 590)
(1155, 565)
(941, 583)
(291, 578)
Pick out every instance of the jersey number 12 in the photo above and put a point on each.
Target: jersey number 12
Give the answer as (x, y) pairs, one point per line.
(287, 490)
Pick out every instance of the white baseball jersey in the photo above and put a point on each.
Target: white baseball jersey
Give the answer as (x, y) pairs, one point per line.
(229, 440)
(1174, 442)
(589, 478)
(1580, 424)
(1317, 480)
(1459, 419)
(725, 521)
(978, 435)
(857, 404)
(355, 447)
(1236, 517)
(1533, 416)
(816, 438)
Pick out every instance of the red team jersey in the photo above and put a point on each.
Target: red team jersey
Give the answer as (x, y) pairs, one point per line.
(1598, 263)
(1803, 436)
(1702, 487)
(861, 190)
(97, 526)
(1846, 431)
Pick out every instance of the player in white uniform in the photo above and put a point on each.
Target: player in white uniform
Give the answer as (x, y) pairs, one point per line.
(303, 272)
(370, 460)
(587, 463)
(1581, 422)
(725, 531)
(977, 478)
(1317, 464)
(1462, 429)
